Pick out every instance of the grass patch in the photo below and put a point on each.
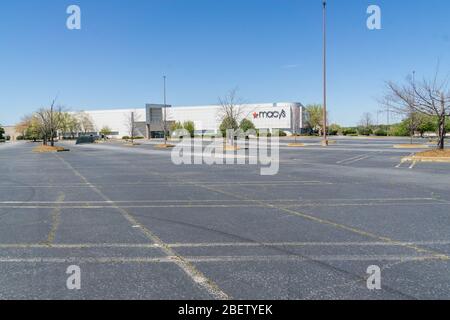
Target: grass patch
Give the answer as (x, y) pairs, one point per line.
(296, 145)
(231, 148)
(164, 146)
(47, 149)
(434, 154)
(411, 146)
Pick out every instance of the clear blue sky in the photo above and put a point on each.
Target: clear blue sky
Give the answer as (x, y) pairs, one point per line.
(269, 49)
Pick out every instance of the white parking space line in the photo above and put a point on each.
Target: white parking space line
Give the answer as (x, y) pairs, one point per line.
(212, 259)
(320, 200)
(78, 245)
(309, 244)
(357, 158)
(54, 246)
(172, 184)
(314, 258)
(254, 205)
(349, 159)
(400, 164)
(402, 161)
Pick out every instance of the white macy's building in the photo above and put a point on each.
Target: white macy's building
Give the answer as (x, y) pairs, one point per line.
(288, 117)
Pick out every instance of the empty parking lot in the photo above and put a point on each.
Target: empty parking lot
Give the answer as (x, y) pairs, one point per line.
(140, 227)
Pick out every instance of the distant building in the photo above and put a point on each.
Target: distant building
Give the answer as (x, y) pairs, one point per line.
(288, 117)
(10, 131)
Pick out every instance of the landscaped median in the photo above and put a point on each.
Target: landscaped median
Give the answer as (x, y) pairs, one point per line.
(47, 149)
(429, 156)
(298, 145)
(164, 146)
(411, 146)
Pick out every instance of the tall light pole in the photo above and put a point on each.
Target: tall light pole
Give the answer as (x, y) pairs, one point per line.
(165, 112)
(325, 139)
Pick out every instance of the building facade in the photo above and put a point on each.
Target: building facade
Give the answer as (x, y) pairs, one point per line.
(11, 132)
(288, 117)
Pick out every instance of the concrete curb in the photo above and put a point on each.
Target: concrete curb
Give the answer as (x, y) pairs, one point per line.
(426, 159)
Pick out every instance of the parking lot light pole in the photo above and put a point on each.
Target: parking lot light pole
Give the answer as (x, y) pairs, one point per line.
(325, 138)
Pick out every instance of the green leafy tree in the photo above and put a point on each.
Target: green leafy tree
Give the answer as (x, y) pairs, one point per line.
(246, 125)
(349, 131)
(228, 123)
(399, 130)
(365, 131)
(426, 123)
(189, 126)
(334, 129)
(176, 126)
(314, 118)
(380, 132)
(35, 131)
(2, 132)
(106, 131)
(70, 125)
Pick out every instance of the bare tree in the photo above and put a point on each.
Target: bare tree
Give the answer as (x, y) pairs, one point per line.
(230, 113)
(85, 122)
(130, 122)
(366, 120)
(50, 122)
(428, 97)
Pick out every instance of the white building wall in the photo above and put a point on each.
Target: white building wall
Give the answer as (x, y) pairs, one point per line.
(116, 120)
(206, 118)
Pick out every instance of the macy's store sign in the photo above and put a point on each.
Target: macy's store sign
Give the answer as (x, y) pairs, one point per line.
(269, 115)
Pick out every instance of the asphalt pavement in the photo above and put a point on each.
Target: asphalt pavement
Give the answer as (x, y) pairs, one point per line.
(140, 227)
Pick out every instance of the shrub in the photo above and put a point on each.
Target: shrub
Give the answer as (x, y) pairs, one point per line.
(228, 124)
(380, 132)
(334, 130)
(399, 130)
(263, 133)
(365, 131)
(349, 131)
(106, 131)
(247, 125)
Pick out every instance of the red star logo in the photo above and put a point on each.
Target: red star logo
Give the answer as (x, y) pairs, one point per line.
(255, 115)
